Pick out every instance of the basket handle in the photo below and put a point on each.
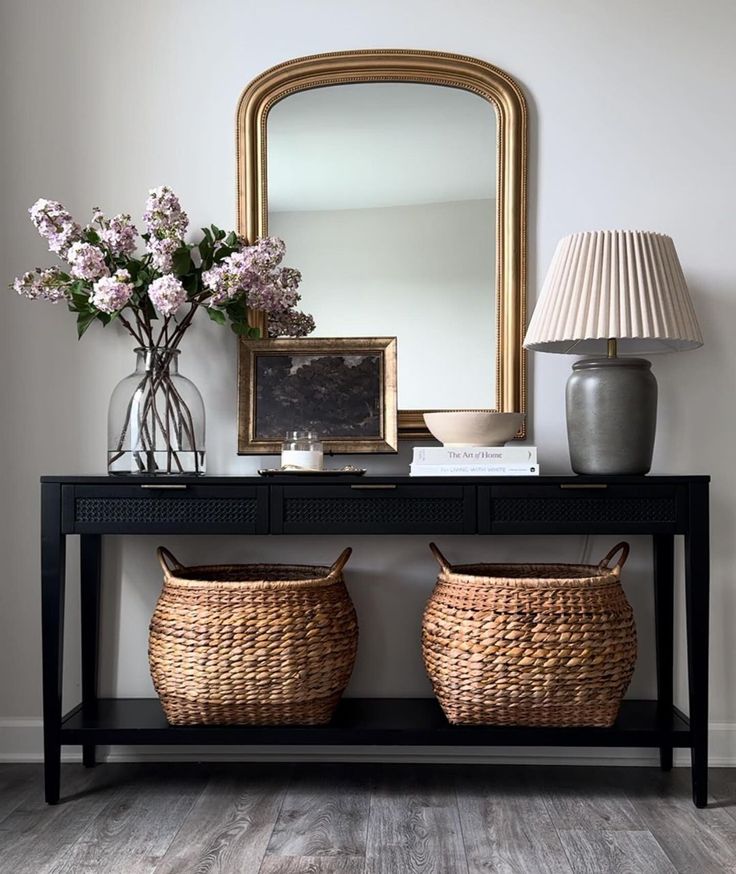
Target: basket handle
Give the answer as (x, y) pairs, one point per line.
(168, 562)
(441, 560)
(624, 548)
(342, 560)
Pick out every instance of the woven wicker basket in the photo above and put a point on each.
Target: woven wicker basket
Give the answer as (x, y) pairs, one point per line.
(251, 644)
(524, 644)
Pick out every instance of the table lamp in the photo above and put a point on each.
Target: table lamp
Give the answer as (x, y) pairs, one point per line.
(611, 293)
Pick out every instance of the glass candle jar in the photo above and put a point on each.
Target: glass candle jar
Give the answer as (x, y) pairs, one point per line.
(302, 450)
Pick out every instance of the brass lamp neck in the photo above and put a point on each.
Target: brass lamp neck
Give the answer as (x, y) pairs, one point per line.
(612, 347)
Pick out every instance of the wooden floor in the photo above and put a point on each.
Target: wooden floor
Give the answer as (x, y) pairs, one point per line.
(364, 819)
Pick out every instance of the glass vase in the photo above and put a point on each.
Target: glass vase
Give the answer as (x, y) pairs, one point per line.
(156, 420)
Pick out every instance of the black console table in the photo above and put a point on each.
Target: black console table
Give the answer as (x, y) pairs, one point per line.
(91, 507)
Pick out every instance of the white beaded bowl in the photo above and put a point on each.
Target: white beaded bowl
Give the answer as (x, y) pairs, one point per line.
(473, 427)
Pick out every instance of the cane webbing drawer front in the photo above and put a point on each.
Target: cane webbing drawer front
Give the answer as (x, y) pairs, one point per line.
(373, 509)
(375, 505)
(135, 509)
(560, 508)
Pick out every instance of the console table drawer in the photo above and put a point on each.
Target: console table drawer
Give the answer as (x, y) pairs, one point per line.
(373, 508)
(160, 509)
(564, 507)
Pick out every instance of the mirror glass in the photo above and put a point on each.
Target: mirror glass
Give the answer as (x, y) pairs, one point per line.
(385, 193)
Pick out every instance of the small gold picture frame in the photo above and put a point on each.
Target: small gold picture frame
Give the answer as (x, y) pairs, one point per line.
(343, 388)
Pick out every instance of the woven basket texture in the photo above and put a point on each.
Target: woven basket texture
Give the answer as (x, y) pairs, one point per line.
(252, 644)
(532, 645)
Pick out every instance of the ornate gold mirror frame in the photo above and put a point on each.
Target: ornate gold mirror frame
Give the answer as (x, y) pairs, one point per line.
(431, 68)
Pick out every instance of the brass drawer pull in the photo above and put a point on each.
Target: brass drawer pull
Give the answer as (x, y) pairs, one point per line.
(169, 486)
(375, 486)
(584, 485)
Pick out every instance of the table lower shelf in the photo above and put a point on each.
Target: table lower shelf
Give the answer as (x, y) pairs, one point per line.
(367, 721)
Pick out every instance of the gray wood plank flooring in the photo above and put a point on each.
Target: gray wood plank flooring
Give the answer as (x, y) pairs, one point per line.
(312, 865)
(506, 826)
(414, 822)
(325, 812)
(695, 841)
(615, 852)
(230, 825)
(135, 828)
(566, 795)
(35, 837)
(364, 819)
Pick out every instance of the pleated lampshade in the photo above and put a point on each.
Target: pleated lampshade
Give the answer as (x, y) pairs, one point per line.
(626, 285)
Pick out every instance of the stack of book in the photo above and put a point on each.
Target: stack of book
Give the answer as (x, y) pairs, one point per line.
(475, 461)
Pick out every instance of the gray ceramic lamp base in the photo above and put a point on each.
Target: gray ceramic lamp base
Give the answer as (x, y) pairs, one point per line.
(611, 416)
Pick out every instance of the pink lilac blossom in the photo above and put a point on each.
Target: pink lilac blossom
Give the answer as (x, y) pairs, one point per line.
(215, 281)
(229, 278)
(166, 223)
(268, 252)
(162, 252)
(87, 261)
(290, 278)
(252, 271)
(167, 294)
(111, 293)
(119, 234)
(55, 225)
(291, 323)
(271, 297)
(43, 285)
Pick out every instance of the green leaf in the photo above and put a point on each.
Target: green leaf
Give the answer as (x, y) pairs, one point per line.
(231, 239)
(208, 235)
(216, 315)
(241, 329)
(236, 310)
(222, 253)
(181, 261)
(79, 298)
(135, 268)
(205, 253)
(84, 320)
(191, 283)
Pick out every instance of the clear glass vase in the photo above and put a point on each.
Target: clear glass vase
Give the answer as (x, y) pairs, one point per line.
(156, 421)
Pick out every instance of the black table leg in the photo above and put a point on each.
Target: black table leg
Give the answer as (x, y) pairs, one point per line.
(53, 568)
(664, 619)
(90, 561)
(697, 584)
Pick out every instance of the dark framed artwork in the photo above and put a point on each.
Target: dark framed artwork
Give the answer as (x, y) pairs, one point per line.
(342, 388)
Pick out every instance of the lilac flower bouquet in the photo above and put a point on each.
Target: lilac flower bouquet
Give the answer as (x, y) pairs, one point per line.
(155, 294)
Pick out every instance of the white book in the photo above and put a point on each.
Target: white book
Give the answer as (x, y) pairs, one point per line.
(475, 455)
(474, 470)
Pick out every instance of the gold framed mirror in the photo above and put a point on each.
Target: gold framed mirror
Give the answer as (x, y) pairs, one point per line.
(456, 90)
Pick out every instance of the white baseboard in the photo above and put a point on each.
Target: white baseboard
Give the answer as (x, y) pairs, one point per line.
(21, 740)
